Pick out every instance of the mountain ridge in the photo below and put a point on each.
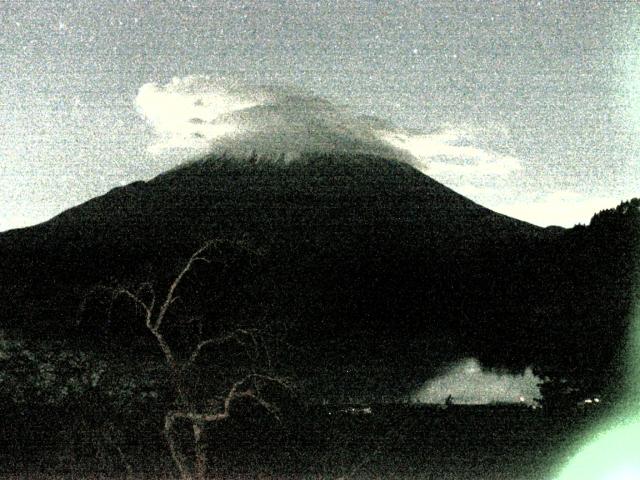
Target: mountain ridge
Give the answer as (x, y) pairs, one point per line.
(302, 169)
(366, 256)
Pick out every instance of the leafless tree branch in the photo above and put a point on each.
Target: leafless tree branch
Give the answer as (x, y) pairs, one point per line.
(235, 335)
(247, 388)
(136, 300)
(170, 298)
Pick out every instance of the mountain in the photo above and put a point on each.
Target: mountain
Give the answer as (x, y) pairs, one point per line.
(363, 261)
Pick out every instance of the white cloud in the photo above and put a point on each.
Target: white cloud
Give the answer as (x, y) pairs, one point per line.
(199, 113)
(563, 208)
(467, 383)
(451, 155)
(202, 113)
(190, 113)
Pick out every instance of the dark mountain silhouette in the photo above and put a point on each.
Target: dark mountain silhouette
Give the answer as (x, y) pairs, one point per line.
(363, 261)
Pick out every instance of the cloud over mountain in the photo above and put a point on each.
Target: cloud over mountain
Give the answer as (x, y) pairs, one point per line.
(452, 153)
(202, 114)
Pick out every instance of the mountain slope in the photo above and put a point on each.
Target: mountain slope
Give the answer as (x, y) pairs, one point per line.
(314, 192)
(363, 259)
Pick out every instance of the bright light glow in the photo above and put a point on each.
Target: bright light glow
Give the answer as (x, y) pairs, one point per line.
(627, 472)
(614, 455)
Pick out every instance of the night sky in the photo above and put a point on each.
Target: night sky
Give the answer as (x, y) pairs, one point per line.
(530, 108)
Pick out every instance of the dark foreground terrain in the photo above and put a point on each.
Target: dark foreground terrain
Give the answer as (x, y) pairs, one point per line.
(387, 441)
(351, 276)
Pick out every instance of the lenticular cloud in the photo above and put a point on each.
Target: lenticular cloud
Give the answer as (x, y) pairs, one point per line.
(198, 114)
(191, 113)
(202, 114)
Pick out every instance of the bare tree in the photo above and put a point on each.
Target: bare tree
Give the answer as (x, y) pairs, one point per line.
(248, 388)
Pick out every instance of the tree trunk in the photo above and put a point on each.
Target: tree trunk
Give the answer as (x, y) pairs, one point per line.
(199, 436)
(178, 458)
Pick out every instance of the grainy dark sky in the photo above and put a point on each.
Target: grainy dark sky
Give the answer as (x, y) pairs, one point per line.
(531, 108)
